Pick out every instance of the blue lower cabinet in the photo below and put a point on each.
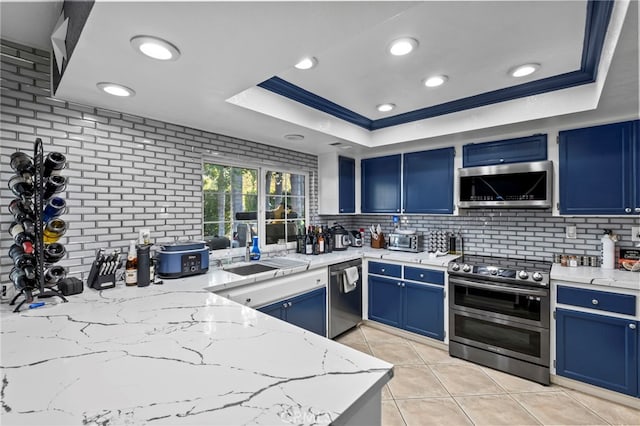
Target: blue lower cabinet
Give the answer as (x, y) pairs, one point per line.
(424, 310)
(385, 300)
(308, 311)
(411, 306)
(598, 349)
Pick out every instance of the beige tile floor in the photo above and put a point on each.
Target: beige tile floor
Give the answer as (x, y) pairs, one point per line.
(431, 388)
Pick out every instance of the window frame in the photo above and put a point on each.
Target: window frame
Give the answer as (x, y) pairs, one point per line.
(262, 168)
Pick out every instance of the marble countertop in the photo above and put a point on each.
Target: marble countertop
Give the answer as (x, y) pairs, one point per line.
(597, 276)
(173, 354)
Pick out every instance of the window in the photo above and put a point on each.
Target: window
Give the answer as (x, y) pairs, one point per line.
(232, 197)
(285, 206)
(230, 205)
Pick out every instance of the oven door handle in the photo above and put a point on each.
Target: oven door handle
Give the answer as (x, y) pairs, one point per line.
(511, 290)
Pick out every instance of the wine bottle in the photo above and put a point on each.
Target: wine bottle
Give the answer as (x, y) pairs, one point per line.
(18, 206)
(308, 243)
(53, 185)
(54, 274)
(55, 207)
(21, 280)
(54, 162)
(21, 163)
(53, 252)
(21, 187)
(21, 238)
(54, 230)
(131, 267)
(26, 221)
(321, 242)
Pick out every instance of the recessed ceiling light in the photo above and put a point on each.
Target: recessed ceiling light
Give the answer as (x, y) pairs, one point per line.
(436, 80)
(155, 48)
(403, 46)
(307, 63)
(523, 70)
(116, 89)
(294, 137)
(385, 107)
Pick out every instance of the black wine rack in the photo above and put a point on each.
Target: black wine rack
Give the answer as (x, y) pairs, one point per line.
(39, 290)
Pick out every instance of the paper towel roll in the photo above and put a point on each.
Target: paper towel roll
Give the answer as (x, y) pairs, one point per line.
(608, 252)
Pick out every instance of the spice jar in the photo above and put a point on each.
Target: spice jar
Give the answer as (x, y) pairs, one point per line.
(573, 261)
(563, 260)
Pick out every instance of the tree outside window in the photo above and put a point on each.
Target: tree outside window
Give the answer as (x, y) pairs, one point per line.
(230, 204)
(285, 206)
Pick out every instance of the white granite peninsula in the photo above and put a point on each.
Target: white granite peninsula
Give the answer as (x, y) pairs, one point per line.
(177, 354)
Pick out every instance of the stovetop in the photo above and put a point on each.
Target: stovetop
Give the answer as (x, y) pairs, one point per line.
(502, 269)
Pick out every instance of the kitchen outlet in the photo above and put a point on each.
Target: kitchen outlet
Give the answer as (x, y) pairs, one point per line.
(635, 233)
(571, 231)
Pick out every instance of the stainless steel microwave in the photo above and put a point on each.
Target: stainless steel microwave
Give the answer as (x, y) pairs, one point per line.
(517, 185)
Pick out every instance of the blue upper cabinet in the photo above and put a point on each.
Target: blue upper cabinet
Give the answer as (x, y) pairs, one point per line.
(599, 170)
(381, 184)
(428, 181)
(346, 185)
(531, 148)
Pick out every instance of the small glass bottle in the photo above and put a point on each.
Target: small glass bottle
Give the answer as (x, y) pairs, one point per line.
(131, 267)
(255, 249)
(321, 242)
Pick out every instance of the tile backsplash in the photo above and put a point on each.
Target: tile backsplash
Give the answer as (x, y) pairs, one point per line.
(535, 234)
(125, 172)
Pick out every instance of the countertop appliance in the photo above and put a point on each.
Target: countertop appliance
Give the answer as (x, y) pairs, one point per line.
(406, 241)
(341, 238)
(345, 301)
(499, 314)
(355, 238)
(527, 185)
(182, 259)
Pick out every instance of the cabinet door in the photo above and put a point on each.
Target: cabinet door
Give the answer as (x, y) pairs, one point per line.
(531, 148)
(385, 301)
(424, 310)
(428, 181)
(596, 170)
(346, 185)
(308, 311)
(635, 166)
(597, 349)
(275, 309)
(381, 184)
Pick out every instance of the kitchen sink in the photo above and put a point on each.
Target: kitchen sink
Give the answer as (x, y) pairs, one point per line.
(253, 268)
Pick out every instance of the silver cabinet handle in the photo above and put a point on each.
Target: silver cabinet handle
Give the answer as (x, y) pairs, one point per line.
(421, 275)
(284, 305)
(502, 160)
(290, 304)
(382, 270)
(627, 210)
(399, 284)
(632, 326)
(594, 302)
(637, 209)
(403, 284)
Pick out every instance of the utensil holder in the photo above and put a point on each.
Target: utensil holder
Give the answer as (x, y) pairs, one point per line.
(379, 243)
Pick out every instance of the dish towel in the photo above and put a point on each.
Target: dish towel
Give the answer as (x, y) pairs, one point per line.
(350, 278)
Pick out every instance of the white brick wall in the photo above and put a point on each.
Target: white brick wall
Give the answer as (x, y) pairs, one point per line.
(125, 172)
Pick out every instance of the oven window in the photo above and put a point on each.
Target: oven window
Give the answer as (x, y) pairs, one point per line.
(498, 335)
(513, 305)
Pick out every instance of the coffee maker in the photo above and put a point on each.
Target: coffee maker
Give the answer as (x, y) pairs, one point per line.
(355, 238)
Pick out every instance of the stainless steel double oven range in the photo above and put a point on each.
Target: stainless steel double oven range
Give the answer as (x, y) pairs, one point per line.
(499, 314)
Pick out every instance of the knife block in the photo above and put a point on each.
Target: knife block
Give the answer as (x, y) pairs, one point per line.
(379, 243)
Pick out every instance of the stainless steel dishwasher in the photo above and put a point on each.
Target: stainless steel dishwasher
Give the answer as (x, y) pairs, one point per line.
(345, 309)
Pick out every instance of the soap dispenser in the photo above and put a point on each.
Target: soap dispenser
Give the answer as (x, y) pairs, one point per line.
(255, 249)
